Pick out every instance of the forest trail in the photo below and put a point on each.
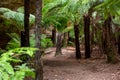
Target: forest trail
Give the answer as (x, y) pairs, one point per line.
(66, 67)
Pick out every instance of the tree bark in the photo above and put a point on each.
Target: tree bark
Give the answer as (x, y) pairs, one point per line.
(25, 41)
(59, 44)
(65, 40)
(104, 47)
(119, 44)
(54, 36)
(77, 44)
(38, 26)
(26, 24)
(87, 36)
(109, 45)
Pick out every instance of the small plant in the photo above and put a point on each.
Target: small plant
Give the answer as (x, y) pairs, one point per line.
(15, 41)
(8, 72)
(45, 42)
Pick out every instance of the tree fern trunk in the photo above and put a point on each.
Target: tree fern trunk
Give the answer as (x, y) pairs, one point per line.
(25, 42)
(54, 36)
(77, 44)
(104, 46)
(119, 44)
(59, 44)
(38, 26)
(65, 41)
(26, 22)
(87, 36)
(110, 47)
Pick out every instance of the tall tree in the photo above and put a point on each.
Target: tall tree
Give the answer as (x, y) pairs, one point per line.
(38, 26)
(87, 35)
(110, 50)
(59, 44)
(119, 42)
(109, 8)
(25, 42)
(54, 36)
(77, 43)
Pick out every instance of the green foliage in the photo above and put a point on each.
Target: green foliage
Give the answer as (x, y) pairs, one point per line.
(1, 51)
(7, 26)
(31, 18)
(20, 9)
(109, 8)
(51, 13)
(14, 53)
(7, 72)
(15, 41)
(59, 12)
(21, 72)
(4, 10)
(45, 42)
(62, 23)
(16, 17)
(116, 20)
(68, 29)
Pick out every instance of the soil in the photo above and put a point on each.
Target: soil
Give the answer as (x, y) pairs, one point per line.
(66, 67)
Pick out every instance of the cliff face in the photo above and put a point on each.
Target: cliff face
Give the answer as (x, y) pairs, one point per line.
(14, 4)
(11, 4)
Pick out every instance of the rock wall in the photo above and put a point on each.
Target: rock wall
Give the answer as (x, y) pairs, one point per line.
(14, 4)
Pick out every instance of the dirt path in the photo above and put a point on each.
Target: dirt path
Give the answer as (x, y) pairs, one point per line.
(66, 67)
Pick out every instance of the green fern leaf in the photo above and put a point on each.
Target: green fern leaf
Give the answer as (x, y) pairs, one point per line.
(7, 67)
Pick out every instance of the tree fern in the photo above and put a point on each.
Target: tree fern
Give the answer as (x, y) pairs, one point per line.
(3, 10)
(109, 7)
(16, 17)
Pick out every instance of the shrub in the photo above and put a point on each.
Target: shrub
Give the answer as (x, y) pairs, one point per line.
(8, 72)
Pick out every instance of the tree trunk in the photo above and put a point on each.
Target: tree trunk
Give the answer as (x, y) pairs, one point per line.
(87, 36)
(119, 44)
(26, 24)
(59, 44)
(77, 44)
(54, 36)
(93, 34)
(25, 42)
(109, 45)
(38, 26)
(65, 41)
(104, 38)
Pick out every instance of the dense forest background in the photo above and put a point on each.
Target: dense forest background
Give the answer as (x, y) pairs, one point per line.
(38, 36)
